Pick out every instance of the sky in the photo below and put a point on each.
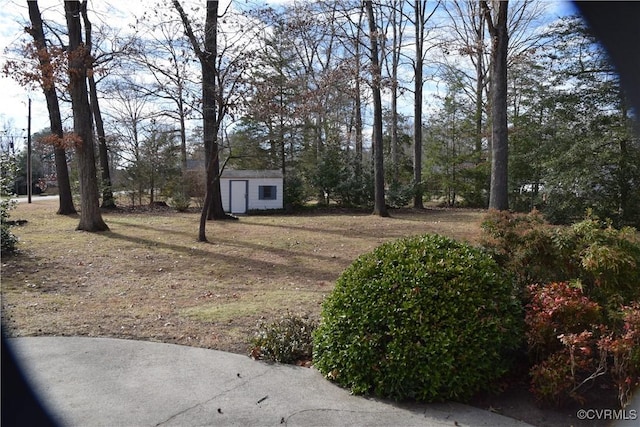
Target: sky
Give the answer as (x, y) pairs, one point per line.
(14, 16)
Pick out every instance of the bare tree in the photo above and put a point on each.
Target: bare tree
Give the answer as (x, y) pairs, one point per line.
(380, 207)
(468, 24)
(398, 24)
(496, 19)
(421, 18)
(351, 38)
(358, 97)
(128, 111)
(167, 58)
(208, 55)
(108, 201)
(90, 215)
(66, 206)
(468, 37)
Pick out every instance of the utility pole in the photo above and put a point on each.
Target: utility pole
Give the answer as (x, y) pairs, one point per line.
(29, 183)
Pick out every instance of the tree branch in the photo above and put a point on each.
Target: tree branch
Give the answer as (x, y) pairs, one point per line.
(189, 30)
(487, 16)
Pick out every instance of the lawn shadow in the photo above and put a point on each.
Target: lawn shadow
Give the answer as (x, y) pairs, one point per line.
(421, 216)
(156, 229)
(235, 242)
(238, 261)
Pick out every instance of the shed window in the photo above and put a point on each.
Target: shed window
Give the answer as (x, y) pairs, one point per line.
(267, 192)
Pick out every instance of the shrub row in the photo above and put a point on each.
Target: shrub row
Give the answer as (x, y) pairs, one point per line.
(8, 241)
(581, 287)
(575, 348)
(603, 259)
(432, 319)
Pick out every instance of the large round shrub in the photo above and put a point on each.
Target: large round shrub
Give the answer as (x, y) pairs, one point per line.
(425, 318)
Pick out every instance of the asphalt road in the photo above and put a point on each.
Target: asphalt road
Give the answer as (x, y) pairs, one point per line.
(35, 198)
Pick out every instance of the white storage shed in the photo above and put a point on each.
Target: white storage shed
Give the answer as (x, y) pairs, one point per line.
(245, 190)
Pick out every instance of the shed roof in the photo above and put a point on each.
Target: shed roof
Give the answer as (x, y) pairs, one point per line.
(266, 173)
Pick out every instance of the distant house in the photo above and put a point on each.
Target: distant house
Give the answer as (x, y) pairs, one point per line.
(245, 190)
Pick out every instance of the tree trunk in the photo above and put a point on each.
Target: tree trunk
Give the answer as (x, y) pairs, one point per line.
(62, 170)
(90, 215)
(380, 207)
(183, 139)
(283, 163)
(358, 103)
(108, 200)
(480, 181)
(358, 125)
(210, 119)
(184, 186)
(107, 193)
(65, 196)
(395, 63)
(207, 55)
(417, 107)
(499, 192)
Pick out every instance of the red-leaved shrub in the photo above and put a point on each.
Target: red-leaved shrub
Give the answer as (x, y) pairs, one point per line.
(574, 347)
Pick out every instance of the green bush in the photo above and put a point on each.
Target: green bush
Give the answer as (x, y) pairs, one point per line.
(581, 286)
(357, 189)
(524, 245)
(294, 192)
(287, 340)
(603, 259)
(609, 260)
(400, 195)
(8, 240)
(425, 318)
(180, 200)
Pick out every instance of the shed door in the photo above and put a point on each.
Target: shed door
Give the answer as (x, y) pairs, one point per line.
(238, 196)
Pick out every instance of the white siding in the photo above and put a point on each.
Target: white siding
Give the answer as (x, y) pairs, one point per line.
(255, 180)
(225, 188)
(254, 195)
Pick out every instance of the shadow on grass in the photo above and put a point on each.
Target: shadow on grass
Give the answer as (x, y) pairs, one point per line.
(359, 231)
(240, 262)
(239, 243)
(118, 221)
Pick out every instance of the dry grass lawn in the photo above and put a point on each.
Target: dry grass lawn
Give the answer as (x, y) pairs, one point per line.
(148, 278)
